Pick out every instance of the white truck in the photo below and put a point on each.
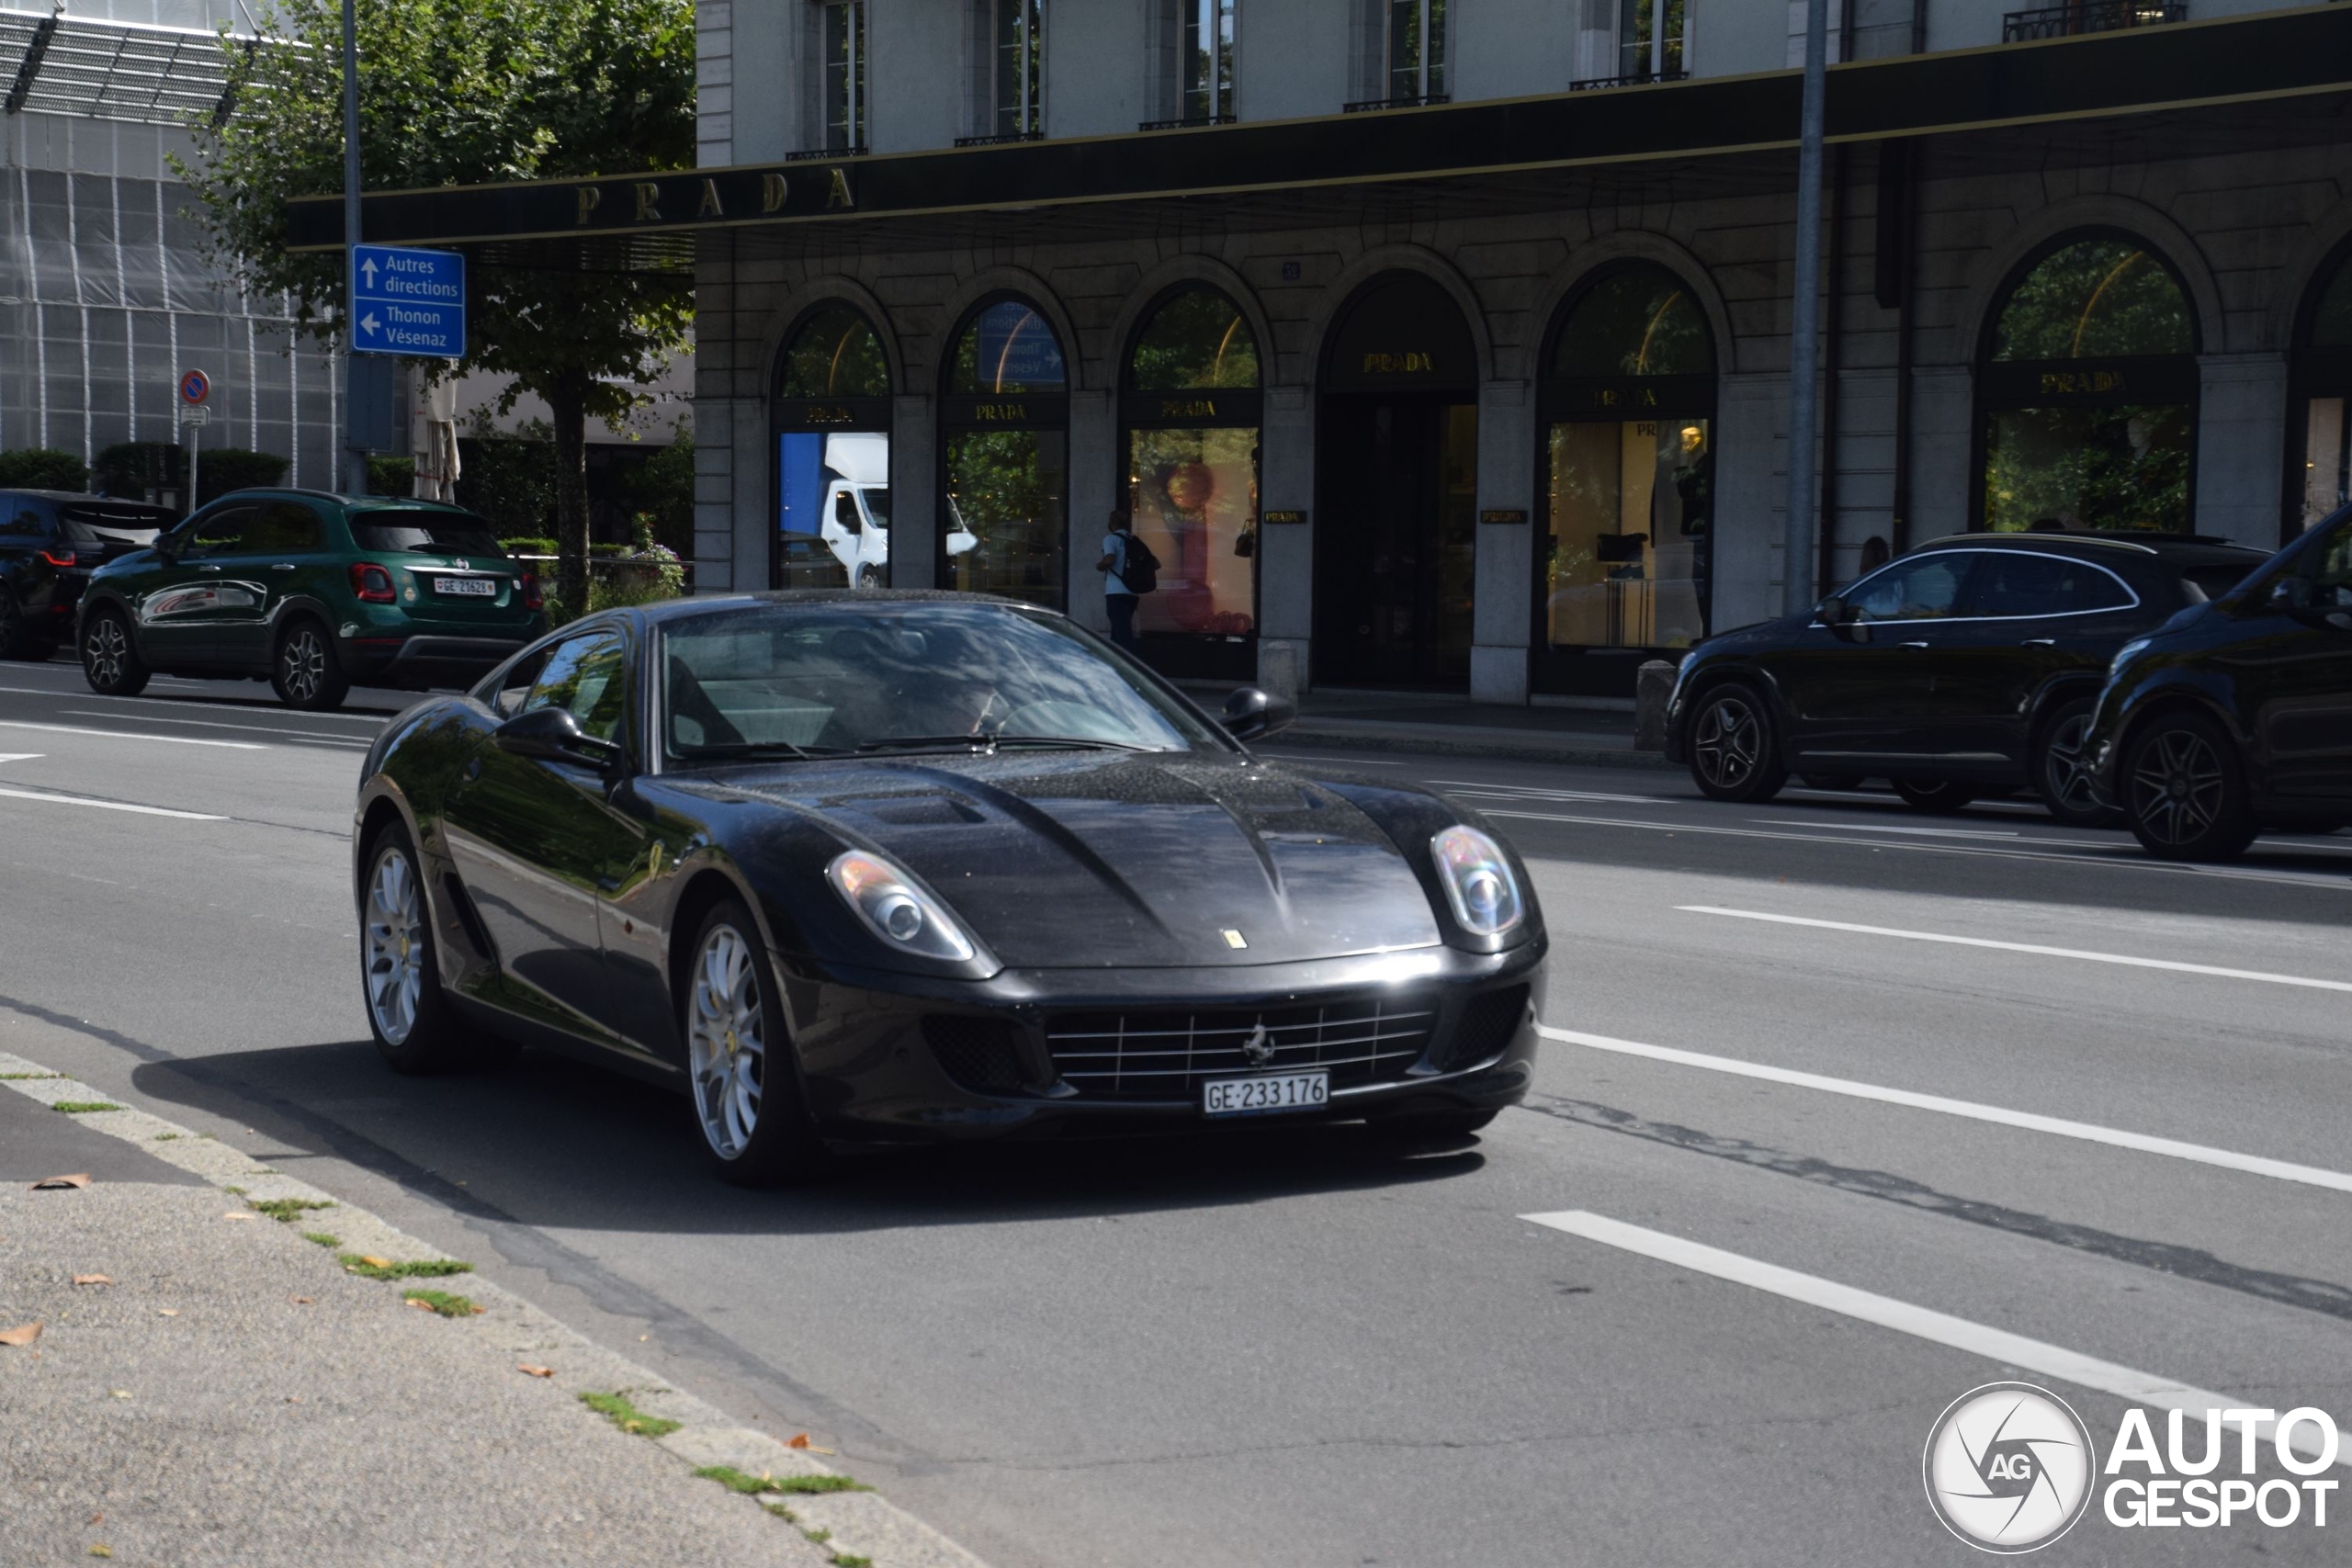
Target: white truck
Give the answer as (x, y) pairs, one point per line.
(856, 508)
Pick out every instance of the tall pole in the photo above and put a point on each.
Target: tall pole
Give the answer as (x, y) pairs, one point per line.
(355, 474)
(1804, 320)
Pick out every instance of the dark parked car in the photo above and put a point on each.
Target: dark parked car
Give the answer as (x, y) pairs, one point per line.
(51, 541)
(2236, 716)
(311, 592)
(1968, 665)
(889, 867)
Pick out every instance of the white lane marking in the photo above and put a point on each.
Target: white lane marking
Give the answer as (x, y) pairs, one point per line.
(1923, 1323)
(110, 806)
(184, 704)
(130, 735)
(2082, 955)
(2031, 1121)
(311, 734)
(2118, 862)
(21, 756)
(1924, 832)
(1531, 793)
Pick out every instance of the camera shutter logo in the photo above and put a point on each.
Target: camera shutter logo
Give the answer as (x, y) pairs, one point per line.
(2009, 1467)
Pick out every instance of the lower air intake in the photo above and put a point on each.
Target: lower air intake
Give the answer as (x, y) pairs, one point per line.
(981, 1053)
(1488, 1023)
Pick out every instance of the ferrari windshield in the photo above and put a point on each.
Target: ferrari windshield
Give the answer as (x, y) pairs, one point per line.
(843, 676)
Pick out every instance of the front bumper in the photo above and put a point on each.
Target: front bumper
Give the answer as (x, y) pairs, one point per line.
(873, 1072)
(425, 659)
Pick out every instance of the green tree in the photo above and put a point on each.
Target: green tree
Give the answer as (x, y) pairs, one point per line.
(463, 92)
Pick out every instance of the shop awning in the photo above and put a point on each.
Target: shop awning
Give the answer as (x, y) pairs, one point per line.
(2027, 101)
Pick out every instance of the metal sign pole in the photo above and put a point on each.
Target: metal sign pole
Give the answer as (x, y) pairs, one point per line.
(354, 455)
(1804, 314)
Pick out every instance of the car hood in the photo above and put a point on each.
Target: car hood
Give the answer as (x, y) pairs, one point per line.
(1091, 859)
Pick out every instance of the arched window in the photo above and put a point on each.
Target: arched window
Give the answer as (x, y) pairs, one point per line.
(1628, 403)
(2089, 392)
(1191, 407)
(2322, 383)
(1005, 420)
(829, 418)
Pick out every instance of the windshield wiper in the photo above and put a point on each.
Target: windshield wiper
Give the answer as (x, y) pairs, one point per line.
(990, 741)
(1086, 742)
(728, 751)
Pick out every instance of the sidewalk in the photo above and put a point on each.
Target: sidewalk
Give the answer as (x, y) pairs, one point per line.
(232, 1369)
(1386, 721)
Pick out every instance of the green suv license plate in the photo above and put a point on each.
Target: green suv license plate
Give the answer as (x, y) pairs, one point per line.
(467, 587)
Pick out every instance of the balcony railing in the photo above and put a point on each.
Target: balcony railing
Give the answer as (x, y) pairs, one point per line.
(1638, 79)
(2089, 17)
(810, 154)
(1006, 140)
(1373, 105)
(1188, 122)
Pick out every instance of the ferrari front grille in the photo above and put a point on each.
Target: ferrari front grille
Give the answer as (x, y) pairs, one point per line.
(1167, 1053)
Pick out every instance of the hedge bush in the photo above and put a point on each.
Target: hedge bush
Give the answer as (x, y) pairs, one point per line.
(43, 467)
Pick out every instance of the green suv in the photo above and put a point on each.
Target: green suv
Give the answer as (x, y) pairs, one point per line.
(313, 592)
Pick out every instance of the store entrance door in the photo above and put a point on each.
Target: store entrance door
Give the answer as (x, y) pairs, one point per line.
(1395, 541)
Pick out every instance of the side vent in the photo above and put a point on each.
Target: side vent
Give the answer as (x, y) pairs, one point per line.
(469, 916)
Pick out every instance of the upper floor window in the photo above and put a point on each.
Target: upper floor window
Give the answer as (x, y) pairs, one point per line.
(1416, 50)
(1649, 38)
(1015, 38)
(1205, 60)
(842, 45)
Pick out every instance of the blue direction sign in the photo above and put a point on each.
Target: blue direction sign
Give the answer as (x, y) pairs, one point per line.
(405, 302)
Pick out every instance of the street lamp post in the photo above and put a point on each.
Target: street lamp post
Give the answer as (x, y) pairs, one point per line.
(1804, 317)
(354, 477)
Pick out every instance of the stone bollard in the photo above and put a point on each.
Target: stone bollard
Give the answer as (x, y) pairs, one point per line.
(1652, 683)
(1279, 674)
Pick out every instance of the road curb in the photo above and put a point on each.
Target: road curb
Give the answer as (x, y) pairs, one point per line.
(852, 1525)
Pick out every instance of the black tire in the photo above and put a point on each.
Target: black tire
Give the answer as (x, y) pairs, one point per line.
(416, 1029)
(110, 661)
(2061, 775)
(1934, 795)
(1734, 753)
(870, 577)
(1832, 781)
(305, 670)
(2184, 791)
(742, 1075)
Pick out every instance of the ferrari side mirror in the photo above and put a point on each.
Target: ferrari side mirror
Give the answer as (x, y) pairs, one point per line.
(1253, 715)
(553, 734)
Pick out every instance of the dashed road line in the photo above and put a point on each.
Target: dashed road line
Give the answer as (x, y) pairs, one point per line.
(108, 804)
(314, 737)
(133, 735)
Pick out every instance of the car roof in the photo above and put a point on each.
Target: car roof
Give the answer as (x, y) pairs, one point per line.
(336, 498)
(670, 609)
(2193, 549)
(84, 496)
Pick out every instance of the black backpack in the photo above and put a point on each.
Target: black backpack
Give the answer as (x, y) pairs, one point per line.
(1138, 568)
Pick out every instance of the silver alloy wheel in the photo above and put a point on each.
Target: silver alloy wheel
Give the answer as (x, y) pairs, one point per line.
(394, 941)
(727, 1056)
(1728, 741)
(2063, 774)
(302, 663)
(105, 648)
(2177, 786)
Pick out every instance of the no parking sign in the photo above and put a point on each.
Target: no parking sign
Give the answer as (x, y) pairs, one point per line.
(194, 386)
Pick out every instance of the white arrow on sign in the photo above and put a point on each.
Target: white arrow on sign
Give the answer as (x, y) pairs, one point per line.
(369, 321)
(368, 266)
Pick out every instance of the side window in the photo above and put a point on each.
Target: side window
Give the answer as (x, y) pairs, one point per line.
(1926, 588)
(221, 532)
(19, 521)
(2020, 583)
(585, 675)
(2332, 571)
(284, 527)
(513, 685)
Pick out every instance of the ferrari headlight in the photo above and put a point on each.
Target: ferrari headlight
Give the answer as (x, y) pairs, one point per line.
(1478, 882)
(894, 910)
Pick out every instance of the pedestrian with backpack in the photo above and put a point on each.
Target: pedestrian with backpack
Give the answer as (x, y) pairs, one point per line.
(1129, 570)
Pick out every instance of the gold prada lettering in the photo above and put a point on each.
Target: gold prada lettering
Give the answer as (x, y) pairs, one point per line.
(1000, 412)
(588, 198)
(2082, 381)
(711, 207)
(825, 414)
(773, 190)
(837, 194)
(1187, 407)
(648, 197)
(1411, 363)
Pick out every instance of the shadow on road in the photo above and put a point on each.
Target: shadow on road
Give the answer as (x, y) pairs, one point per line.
(555, 1143)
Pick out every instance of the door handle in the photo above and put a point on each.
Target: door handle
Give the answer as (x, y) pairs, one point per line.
(1910, 645)
(208, 569)
(2039, 642)
(282, 565)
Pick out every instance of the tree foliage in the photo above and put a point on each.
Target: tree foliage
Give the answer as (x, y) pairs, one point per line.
(42, 467)
(467, 92)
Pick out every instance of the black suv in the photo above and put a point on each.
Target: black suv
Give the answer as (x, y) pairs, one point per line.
(1968, 666)
(2236, 716)
(50, 540)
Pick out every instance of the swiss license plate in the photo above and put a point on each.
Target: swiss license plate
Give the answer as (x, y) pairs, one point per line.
(1275, 1091)
(467, 587)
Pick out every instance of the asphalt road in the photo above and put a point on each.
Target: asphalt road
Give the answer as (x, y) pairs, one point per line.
(1298, 1347)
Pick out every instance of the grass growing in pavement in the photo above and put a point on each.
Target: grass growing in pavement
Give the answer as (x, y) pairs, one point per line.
(21, 1078)
(166, 1137)
(84, 1107)
(845, 1560)
(444, 1303)
(321, 1238)
(781, 1512)
(736, 1481)
(616, 1408)
(431, 1268)
(283, 1210)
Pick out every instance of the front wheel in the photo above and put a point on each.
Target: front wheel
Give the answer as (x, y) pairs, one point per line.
(1933, 794)
(1734, 754)
(870, 577)
(2061, 773)
(306, 673)
(110, 661)
(416, 1029)
(744, 1083)
(2184, 793)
